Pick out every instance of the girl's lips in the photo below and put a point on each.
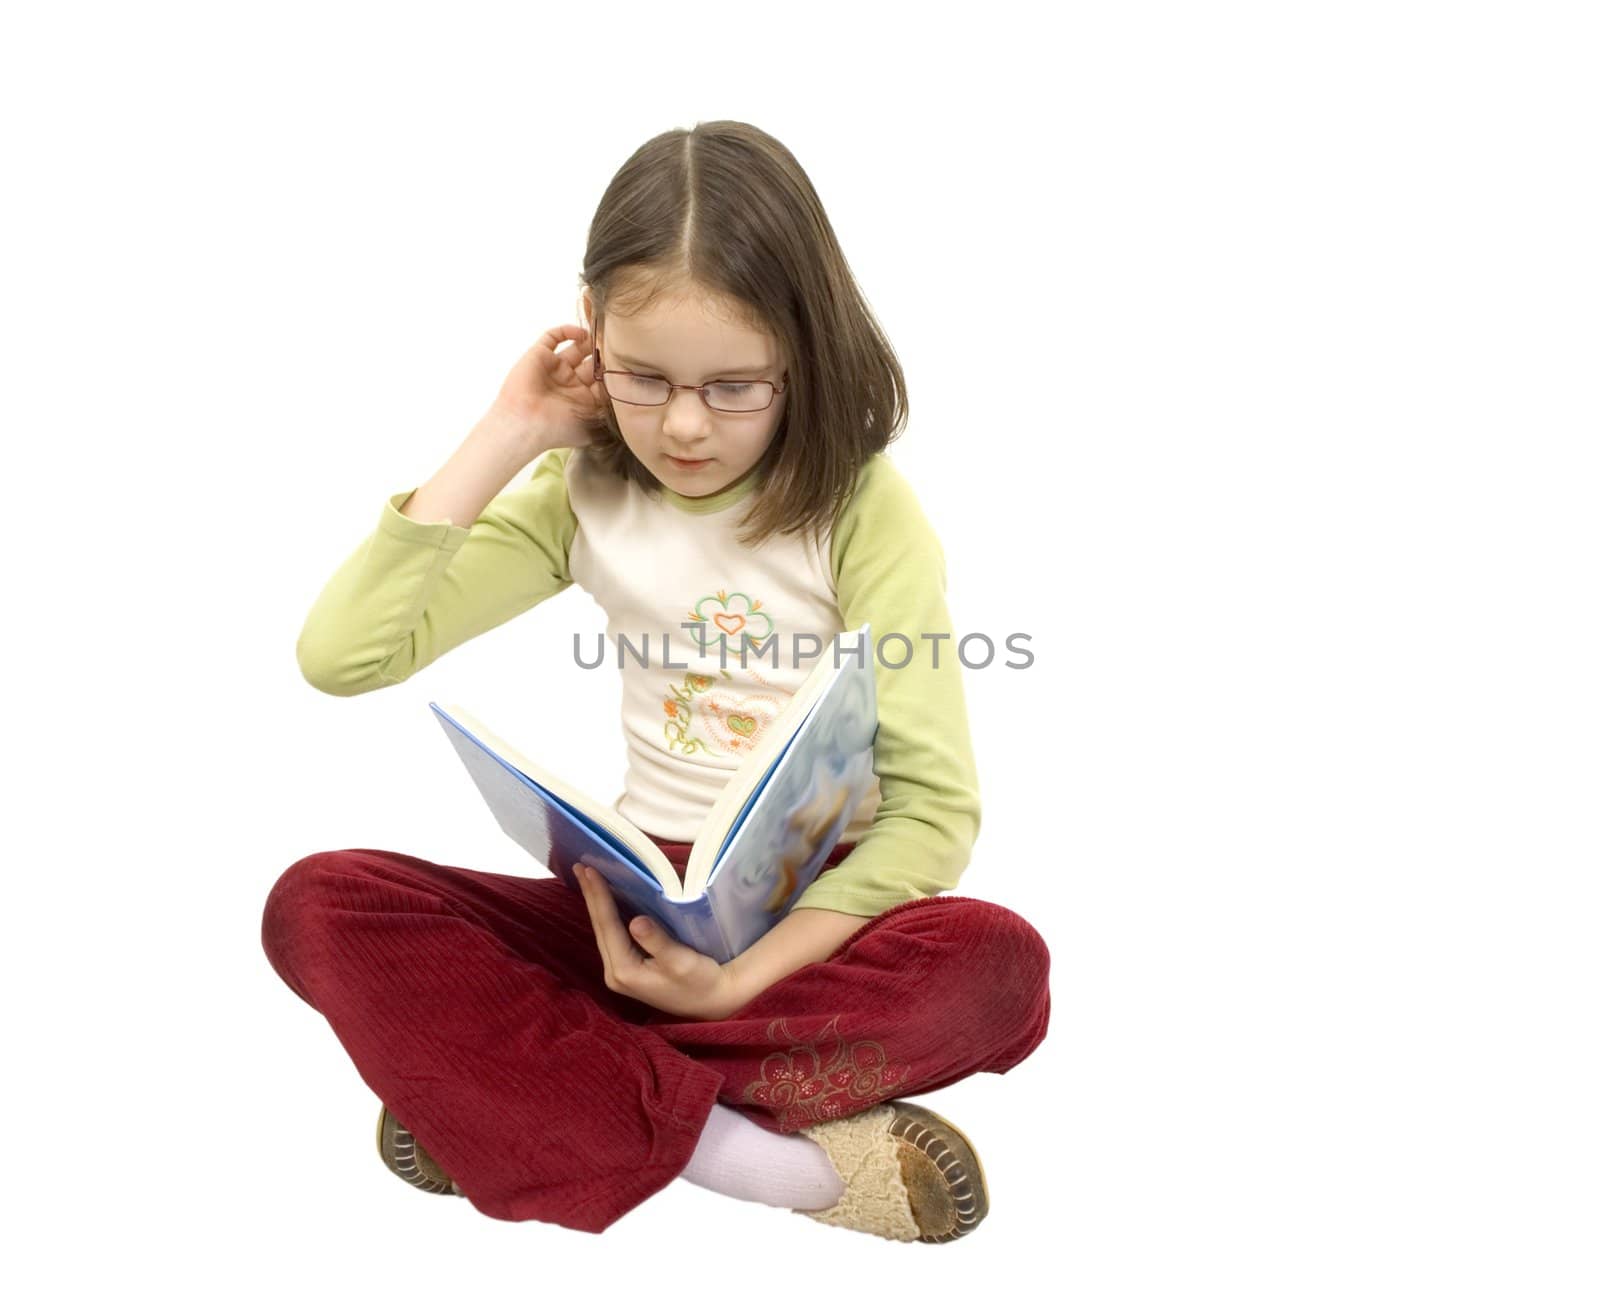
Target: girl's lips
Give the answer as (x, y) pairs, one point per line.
(688, 462)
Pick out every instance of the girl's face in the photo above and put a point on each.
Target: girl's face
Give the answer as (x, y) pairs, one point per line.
(687, 446)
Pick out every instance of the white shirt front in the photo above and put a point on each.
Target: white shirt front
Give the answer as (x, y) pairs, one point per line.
(678, 584)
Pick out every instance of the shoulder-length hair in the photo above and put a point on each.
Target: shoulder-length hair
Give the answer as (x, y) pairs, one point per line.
(725, 210)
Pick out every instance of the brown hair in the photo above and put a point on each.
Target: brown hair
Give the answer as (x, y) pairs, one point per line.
(725, 209)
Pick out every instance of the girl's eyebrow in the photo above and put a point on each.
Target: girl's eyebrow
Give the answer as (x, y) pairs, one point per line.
(747, 371)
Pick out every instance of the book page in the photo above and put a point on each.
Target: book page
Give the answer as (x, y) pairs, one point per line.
(532, 805)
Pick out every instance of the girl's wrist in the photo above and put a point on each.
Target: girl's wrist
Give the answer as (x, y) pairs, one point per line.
(518, 436)
(736, 992)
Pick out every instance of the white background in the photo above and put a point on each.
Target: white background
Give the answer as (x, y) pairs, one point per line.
(1252, 363)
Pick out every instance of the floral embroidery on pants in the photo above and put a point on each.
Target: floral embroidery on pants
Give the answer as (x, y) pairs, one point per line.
(821, 1079)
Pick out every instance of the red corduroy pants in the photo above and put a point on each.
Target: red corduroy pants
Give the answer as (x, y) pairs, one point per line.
(474, 1006)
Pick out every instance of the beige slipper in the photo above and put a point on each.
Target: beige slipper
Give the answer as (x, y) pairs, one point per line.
(908, 1174)
(408, 1160)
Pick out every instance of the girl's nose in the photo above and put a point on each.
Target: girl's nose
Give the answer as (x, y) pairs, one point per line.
(686, 421)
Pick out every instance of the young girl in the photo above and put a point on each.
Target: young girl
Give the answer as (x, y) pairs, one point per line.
(709, 452)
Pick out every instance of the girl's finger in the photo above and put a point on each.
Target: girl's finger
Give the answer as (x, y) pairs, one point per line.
(616, 947)
(659, 945)
(586, 884)
(570, 363)
(561, 332)
(573, 360)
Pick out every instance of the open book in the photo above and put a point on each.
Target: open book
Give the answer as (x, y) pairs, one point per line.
(764, 839)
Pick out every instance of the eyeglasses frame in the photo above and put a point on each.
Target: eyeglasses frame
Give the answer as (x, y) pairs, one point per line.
(600, 374)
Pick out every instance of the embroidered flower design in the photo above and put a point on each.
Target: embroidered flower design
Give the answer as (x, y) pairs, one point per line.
(676, 728)
(825, 1078)
(723, 624)
(730, 616)
(734, 719)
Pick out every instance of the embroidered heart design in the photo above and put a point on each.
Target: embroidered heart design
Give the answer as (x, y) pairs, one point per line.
(729, 624)
(743, 724)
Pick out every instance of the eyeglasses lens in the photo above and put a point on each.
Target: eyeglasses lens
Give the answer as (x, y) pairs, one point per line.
(726, 397)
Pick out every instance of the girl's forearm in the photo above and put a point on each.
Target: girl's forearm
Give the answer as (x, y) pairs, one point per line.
(495, 450)
(801, 938)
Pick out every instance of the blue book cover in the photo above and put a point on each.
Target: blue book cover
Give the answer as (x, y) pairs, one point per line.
(764, 840)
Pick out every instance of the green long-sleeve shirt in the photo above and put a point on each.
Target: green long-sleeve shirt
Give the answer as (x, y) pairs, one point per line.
(413, 591)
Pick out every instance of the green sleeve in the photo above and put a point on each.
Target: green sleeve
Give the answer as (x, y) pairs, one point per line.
(889, 571)
(414, 590)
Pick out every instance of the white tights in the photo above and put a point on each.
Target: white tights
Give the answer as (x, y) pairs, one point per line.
(737, 1157)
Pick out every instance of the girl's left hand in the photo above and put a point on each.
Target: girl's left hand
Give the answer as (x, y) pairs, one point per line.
(667, 974)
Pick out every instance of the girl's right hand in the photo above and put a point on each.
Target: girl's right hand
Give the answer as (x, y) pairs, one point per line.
(551, 395)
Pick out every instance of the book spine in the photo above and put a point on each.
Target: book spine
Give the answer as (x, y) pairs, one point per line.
(694, 923)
